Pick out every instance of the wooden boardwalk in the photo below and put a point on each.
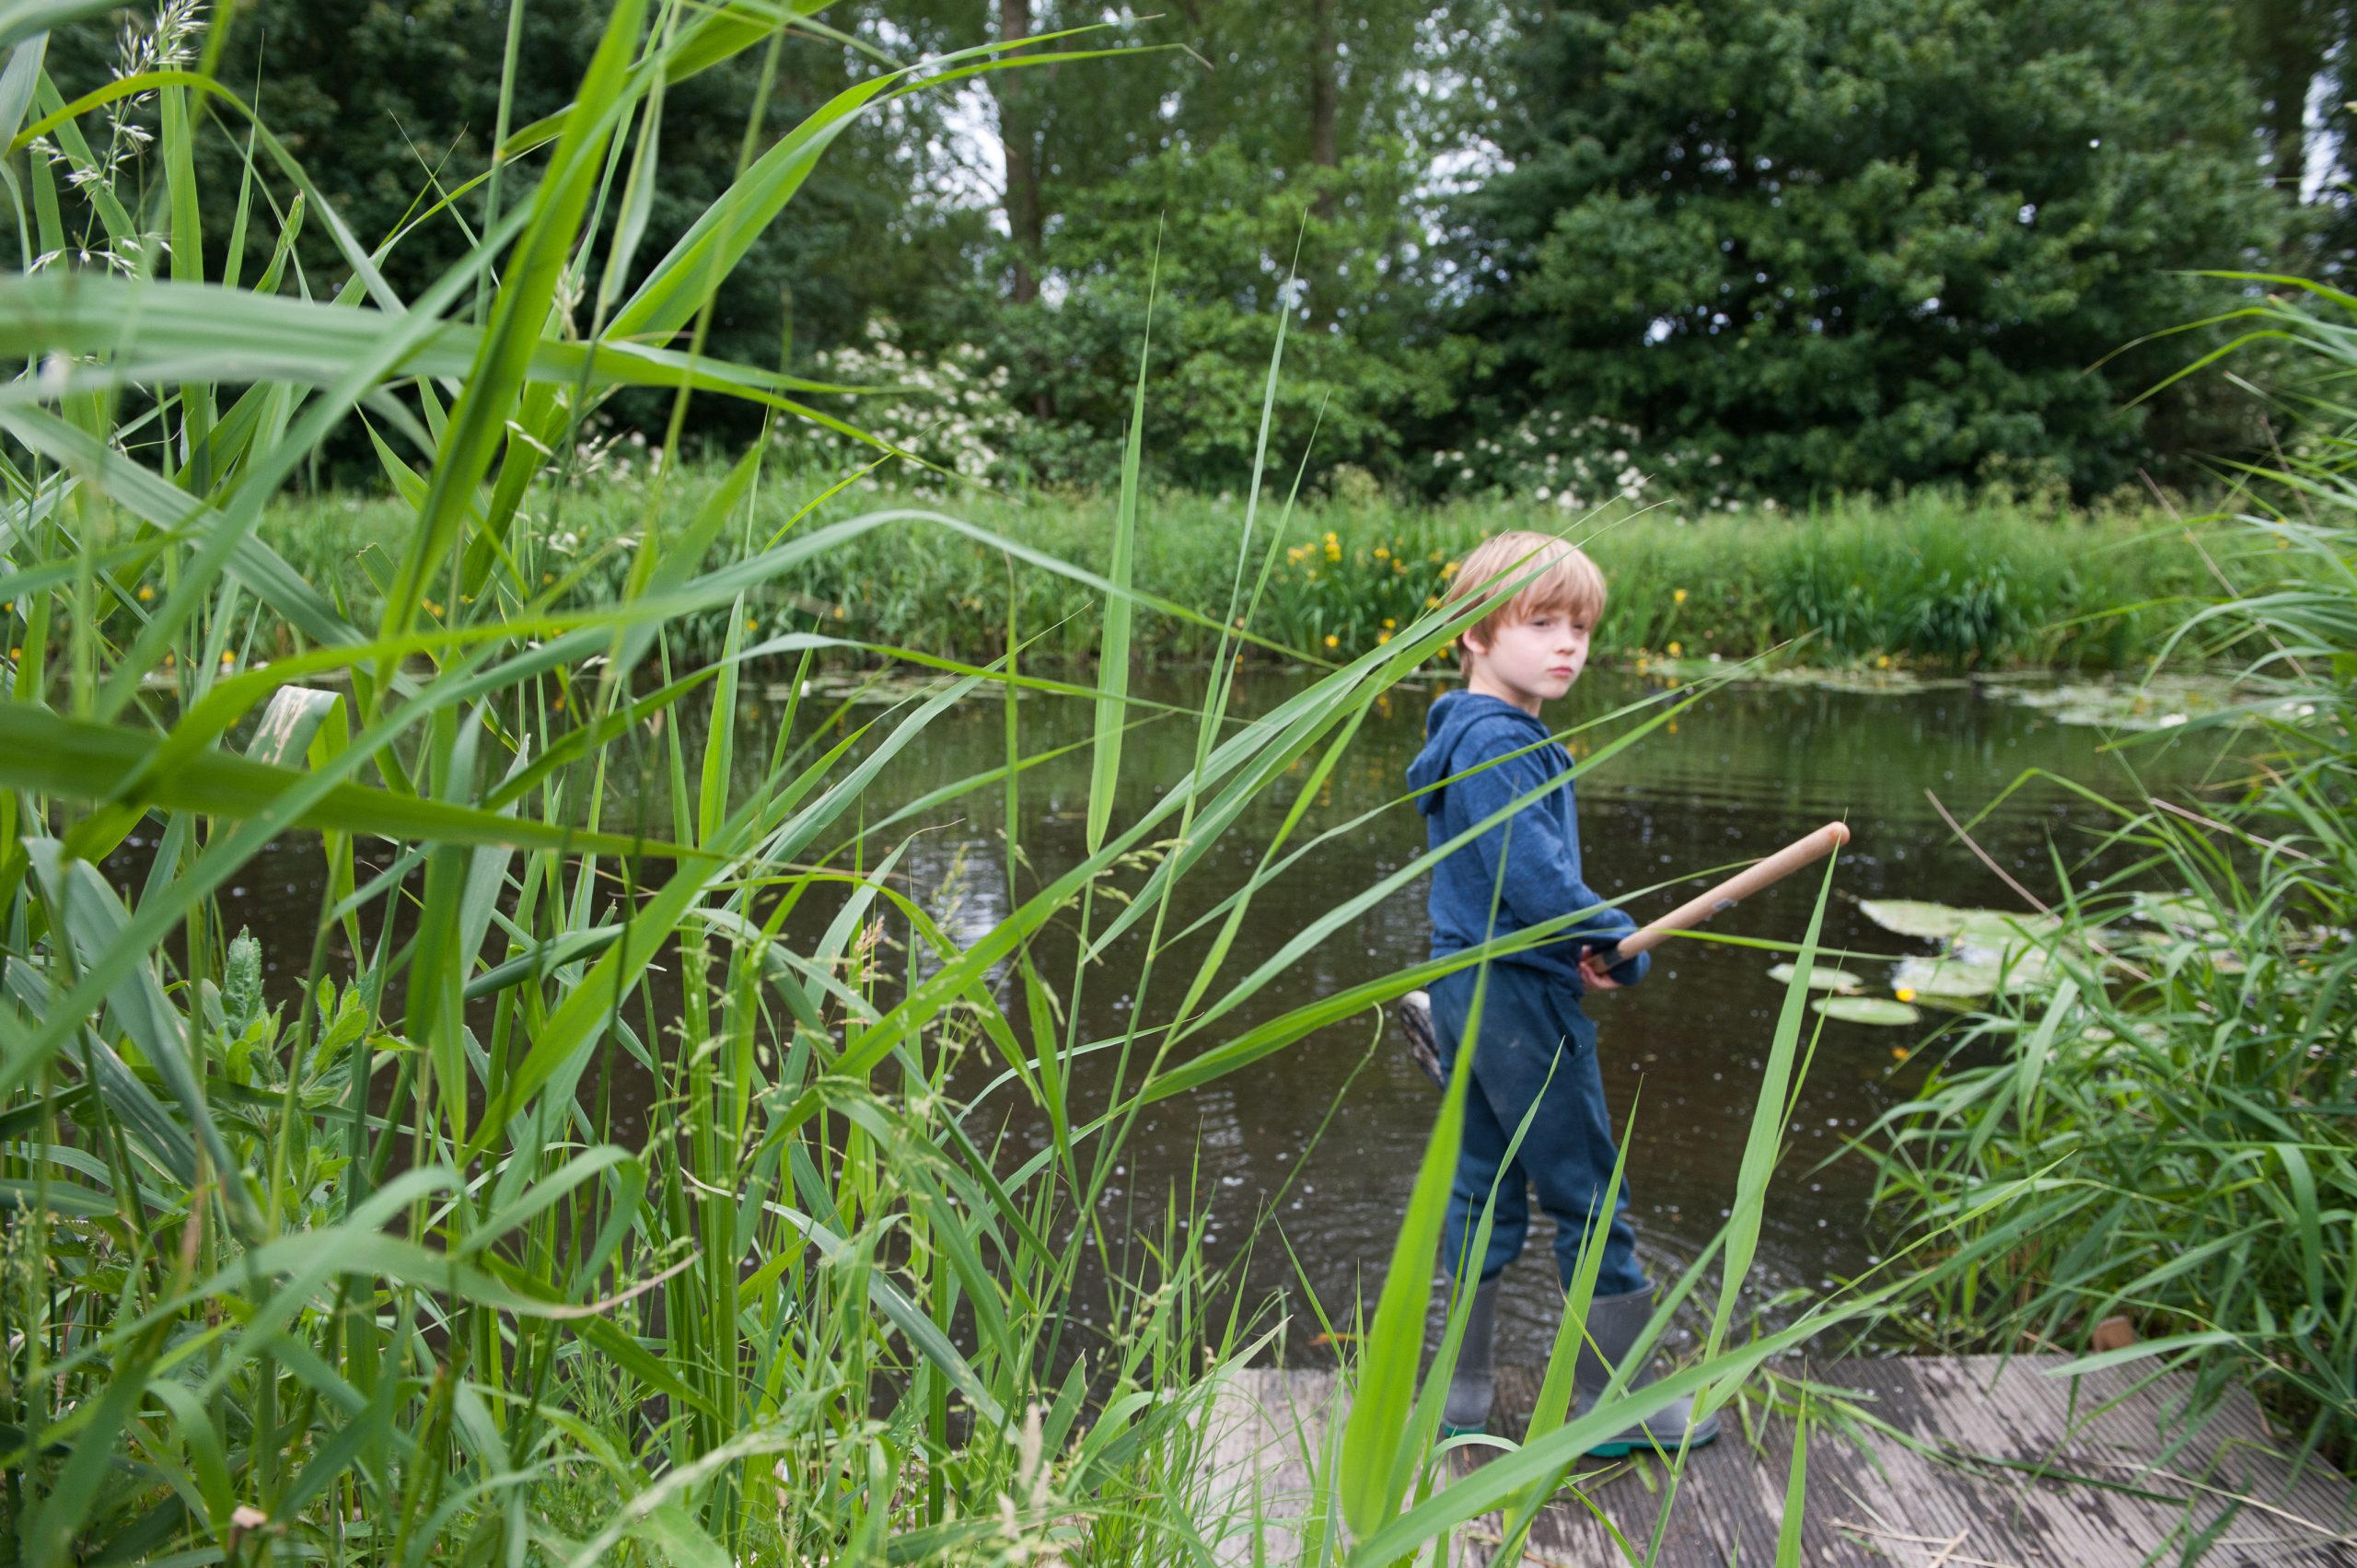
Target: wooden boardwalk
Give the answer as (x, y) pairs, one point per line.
(2145, 1490)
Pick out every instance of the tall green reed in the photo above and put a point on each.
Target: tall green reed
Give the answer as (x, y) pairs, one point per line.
(2166, 1132)
(367, 1277)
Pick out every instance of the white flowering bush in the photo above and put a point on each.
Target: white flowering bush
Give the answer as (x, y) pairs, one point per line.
(949, 408)
(1577, 464)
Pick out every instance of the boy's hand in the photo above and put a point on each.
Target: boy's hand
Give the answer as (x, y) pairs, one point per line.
(1594, 971)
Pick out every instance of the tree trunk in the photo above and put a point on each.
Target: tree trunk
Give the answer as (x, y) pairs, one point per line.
(1322, 150)
(1020, 144)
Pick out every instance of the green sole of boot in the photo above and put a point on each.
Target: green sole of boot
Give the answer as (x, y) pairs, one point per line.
(1619, 1449)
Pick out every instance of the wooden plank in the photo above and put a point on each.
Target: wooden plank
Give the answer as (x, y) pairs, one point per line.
(1996, 1464)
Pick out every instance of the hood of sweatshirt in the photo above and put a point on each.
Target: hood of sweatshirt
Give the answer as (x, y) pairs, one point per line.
(1453, 716)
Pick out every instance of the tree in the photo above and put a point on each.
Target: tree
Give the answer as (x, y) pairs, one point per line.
(2293, 50)
(1850, 243)
(1242, 139)
(387, 105)
(1359, 356)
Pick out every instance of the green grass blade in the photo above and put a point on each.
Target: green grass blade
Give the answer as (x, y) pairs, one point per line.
(1113, 661)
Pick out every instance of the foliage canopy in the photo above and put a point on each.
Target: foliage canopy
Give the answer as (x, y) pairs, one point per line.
(1852, 243)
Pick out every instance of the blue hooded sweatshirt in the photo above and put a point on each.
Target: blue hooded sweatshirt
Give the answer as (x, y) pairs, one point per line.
(1542, 882)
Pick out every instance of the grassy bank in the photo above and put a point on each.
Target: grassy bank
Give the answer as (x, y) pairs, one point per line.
(1929, 580)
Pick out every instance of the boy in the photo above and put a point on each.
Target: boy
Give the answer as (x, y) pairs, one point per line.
(1485, 747)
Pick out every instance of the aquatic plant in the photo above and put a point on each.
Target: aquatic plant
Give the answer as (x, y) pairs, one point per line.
(2166, 1135)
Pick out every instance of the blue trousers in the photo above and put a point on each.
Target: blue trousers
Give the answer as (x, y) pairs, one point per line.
(1531, 1023)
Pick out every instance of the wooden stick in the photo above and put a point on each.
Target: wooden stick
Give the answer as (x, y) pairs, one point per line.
(1735, 889)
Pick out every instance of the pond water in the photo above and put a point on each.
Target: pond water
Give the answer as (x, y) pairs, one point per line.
(1751, 768)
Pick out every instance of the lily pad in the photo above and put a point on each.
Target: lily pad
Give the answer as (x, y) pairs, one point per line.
(1819, 978)
(1867, 1010)
(1996, 930)
(2161, 702)
(1971, 975)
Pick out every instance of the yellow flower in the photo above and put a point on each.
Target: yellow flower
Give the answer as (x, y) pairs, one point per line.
(548, 577)
(19, 653)
(1435, 558)
(1448, 571)
(1383, 636)
(1389, 623)
(1381, 553)
(1332, 641)
(559, 703)
(146, 593)
(1905, 993)
(1432, 601)
(1677, 595)
(1676, 649)
(1882, 661)
(1898, 1053)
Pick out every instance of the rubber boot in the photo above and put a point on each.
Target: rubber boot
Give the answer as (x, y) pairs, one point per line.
(1473, 1384)
(1613, 1324)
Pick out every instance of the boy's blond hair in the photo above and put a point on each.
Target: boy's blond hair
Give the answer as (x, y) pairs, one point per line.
(1554, 573)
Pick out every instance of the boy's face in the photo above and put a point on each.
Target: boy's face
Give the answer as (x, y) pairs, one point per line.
(1531, 661)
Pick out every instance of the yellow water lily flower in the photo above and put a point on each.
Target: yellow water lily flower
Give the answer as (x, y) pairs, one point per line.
(1332, 641)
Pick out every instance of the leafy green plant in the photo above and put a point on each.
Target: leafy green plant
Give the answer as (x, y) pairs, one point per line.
(2166, 1135)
